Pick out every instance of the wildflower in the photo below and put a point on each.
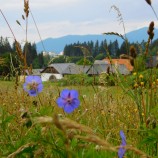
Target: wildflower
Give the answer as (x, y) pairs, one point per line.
(68, 100)
(140, 76)
(153, 84)
(33, 85)
(134, 74)
(135, 85)
(103, 112)
(135, 110)
(142, 83)
(121, 151)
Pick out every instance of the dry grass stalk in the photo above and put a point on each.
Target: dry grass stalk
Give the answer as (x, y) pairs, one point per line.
(19, 52)
(20, 150)
(69, 124)
(63, 123)
(150, 30)
(114, 33)
(57, 123)
(26, 7)
(148, 1)
(94, 139)
(45, 119)
(133, 52)
(151, 35)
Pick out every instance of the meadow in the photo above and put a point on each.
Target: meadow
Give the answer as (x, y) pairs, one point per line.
(38, 127)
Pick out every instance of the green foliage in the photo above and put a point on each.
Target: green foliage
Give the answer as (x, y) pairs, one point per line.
(73, 59)
(107, 79)
(100, 56)
(59, 59)
(4, 46)
(10, 65)
(30, 52)
(79, 79)
(140, 63)
(84, 61)
(38, 61)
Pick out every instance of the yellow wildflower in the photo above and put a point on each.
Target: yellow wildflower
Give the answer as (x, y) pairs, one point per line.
(134, 73)
(135, 110)
(135, 85)
(103, 113)
(140, 76)
(142, 83)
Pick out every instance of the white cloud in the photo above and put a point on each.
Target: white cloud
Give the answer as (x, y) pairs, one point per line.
(56, 18)
(13, 5)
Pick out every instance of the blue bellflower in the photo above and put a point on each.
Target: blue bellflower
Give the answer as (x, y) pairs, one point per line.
(121, 150)
(68, 100)
(33, 85)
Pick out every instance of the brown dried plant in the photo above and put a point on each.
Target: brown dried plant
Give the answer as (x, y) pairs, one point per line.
(26, 7)
(121, 21)
(133, 52)
(151, 35)
(150, 4)
(65, 125)
(148, 1)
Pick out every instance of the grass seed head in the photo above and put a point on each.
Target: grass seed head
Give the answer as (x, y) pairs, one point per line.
(133, 52)
(150, 30)
(148, 1)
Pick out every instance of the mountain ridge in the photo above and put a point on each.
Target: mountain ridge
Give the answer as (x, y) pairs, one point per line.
(57, 44)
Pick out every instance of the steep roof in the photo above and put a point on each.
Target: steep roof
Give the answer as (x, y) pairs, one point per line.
(66, 68)
(126, 62)
(97, 69)
(76, 69)
(59, 67)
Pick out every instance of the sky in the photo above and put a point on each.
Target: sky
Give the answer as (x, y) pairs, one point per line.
(57, 18)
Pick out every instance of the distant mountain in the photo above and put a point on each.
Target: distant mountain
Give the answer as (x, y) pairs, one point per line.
(57, 44)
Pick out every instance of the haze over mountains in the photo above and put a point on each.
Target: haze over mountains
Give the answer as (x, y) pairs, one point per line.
(57, 44)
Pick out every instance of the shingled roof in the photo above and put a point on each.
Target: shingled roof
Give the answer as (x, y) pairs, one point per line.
(58, 68)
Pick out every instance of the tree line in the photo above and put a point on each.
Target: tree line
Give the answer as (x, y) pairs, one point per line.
(98, 51)
(9, 59)
(73, 53)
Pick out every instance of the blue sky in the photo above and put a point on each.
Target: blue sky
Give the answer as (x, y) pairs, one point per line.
(56, 18)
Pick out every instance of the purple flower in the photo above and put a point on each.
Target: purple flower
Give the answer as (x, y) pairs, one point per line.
(122, 151)
(33, 85)
(68, 100)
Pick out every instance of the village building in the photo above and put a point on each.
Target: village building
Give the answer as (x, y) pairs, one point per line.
(113, 66)
(58, 70)
(123, 65)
